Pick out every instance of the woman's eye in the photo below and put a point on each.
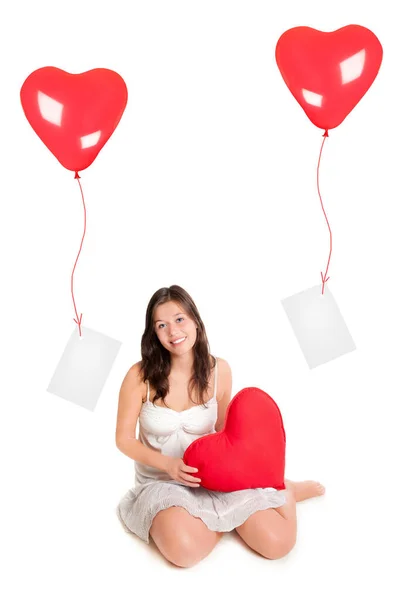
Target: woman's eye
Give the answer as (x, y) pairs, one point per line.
(161, 326)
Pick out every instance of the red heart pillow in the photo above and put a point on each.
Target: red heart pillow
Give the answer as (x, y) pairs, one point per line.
(248, 452)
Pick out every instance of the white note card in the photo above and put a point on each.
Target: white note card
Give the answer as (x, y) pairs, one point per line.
(84, 367)
(318, 325)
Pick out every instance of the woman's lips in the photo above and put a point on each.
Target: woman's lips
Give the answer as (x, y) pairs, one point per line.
(178, 341)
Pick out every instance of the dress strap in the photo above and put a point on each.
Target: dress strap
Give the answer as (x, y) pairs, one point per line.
(215, 377)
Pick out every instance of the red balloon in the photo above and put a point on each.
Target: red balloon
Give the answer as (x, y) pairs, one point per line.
(328, 72)
(74, 114)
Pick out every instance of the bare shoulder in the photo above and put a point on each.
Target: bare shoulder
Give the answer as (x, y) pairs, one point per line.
(134, 371)
(133, 380)
(224, 390)
(224, 369)
(129, 405)
(222, 364)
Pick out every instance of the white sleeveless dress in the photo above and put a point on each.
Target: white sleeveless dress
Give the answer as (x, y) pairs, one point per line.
(171, 432)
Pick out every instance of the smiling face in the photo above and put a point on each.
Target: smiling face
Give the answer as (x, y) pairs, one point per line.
(174, 328)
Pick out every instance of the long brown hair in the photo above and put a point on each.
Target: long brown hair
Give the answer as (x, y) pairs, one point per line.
(155, 365)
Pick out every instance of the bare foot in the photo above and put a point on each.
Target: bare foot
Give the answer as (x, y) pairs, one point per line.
(303, 490)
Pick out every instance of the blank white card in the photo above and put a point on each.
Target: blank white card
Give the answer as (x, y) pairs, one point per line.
(84, 367)
(318, 325)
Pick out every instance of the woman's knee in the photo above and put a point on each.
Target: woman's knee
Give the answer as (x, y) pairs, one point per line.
(275, 546)
(184, 550)
(181, 538)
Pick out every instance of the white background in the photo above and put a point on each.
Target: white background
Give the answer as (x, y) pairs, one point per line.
(208, 182)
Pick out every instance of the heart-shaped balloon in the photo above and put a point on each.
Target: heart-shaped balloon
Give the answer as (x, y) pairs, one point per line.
(74, 114)
(328, 72)
(248, 452)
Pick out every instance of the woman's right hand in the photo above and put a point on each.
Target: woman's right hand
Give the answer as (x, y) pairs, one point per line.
(177, 470)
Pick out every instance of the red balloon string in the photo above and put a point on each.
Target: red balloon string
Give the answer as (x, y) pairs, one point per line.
(78, 320)
(324, 278)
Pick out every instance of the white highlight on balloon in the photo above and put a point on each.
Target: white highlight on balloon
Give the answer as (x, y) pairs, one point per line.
(50, 109)
(87, 141)
(312, 98)
(352, 67)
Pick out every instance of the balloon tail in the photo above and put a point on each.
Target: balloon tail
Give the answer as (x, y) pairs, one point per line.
(324, 278)
(78, 320)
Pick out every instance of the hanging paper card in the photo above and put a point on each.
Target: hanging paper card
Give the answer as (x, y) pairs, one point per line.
(84, 367)
(318, 326)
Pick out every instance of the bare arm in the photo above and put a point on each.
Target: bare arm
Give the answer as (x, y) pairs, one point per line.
(129, 406)
(224, 391)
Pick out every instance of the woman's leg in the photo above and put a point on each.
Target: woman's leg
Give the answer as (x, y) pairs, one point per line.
(272, 532)
(182, 539)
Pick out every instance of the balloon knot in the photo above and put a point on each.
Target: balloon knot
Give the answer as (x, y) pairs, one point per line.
(326, 134)
(77, 176)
